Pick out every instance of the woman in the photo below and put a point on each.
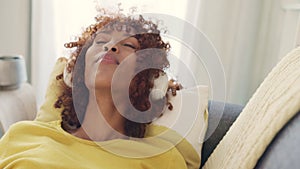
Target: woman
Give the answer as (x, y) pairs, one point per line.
(102, 49)
(116, 59)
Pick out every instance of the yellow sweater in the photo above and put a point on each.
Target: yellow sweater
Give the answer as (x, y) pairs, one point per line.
(34, 144)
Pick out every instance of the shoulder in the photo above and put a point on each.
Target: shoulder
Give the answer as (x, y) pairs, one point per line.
(31, 127)
(33, 123)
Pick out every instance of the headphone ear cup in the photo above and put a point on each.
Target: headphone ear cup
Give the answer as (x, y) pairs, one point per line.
(160, 87)
(67, 77)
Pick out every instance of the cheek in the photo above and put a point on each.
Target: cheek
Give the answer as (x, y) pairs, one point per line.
(93, 53)
(124, 73)
(128, 62)
(90, 71)
(88, 58)
(89, 76)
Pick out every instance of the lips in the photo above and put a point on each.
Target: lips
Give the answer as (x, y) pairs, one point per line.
(109, 59)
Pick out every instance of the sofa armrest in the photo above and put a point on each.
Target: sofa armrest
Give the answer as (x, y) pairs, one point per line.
(16, 105)
(283, 151)
(221, 117)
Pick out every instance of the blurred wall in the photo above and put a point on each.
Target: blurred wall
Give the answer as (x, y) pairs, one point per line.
(15, 28)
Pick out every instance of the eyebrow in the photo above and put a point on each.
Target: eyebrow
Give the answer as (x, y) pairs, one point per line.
(104, 31)
(109, 31)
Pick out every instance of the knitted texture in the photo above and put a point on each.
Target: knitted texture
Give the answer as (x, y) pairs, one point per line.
(273, 104)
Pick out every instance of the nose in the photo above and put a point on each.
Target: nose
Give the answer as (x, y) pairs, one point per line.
(113, 48)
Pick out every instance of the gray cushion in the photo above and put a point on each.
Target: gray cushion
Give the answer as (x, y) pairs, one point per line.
(283, 151)
(221, 117)
(1, 132)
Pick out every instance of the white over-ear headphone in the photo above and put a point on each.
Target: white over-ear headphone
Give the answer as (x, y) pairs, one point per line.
(67, 76)
(160, 87)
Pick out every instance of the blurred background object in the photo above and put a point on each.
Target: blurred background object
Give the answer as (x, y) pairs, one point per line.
(17, 98)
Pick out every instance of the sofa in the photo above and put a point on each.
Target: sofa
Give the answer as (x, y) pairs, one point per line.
(17, 98)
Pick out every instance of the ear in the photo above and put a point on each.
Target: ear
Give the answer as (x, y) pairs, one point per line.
(160, 87)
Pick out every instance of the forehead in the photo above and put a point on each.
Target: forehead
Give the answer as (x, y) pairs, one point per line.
(114, 36)
(131, 27)
(114, 32)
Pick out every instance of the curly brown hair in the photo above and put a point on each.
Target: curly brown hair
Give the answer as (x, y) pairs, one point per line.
(140, 85)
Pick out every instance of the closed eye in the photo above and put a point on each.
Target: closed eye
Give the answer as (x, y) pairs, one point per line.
(129, 45)
(101, 42)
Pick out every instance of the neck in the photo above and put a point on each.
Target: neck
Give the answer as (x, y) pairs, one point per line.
(102, 121)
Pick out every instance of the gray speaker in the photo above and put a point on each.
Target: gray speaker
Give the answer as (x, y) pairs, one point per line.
(12, 71)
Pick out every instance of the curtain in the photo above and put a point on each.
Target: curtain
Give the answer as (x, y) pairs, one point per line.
(54, 23)
(43, 48)
(250, 37)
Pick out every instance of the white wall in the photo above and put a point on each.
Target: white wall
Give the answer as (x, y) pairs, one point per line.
(15, 28)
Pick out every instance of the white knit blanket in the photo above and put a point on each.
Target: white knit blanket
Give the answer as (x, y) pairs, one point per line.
(274, 103)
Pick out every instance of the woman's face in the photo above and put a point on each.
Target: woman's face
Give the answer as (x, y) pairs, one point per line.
(108, 50)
